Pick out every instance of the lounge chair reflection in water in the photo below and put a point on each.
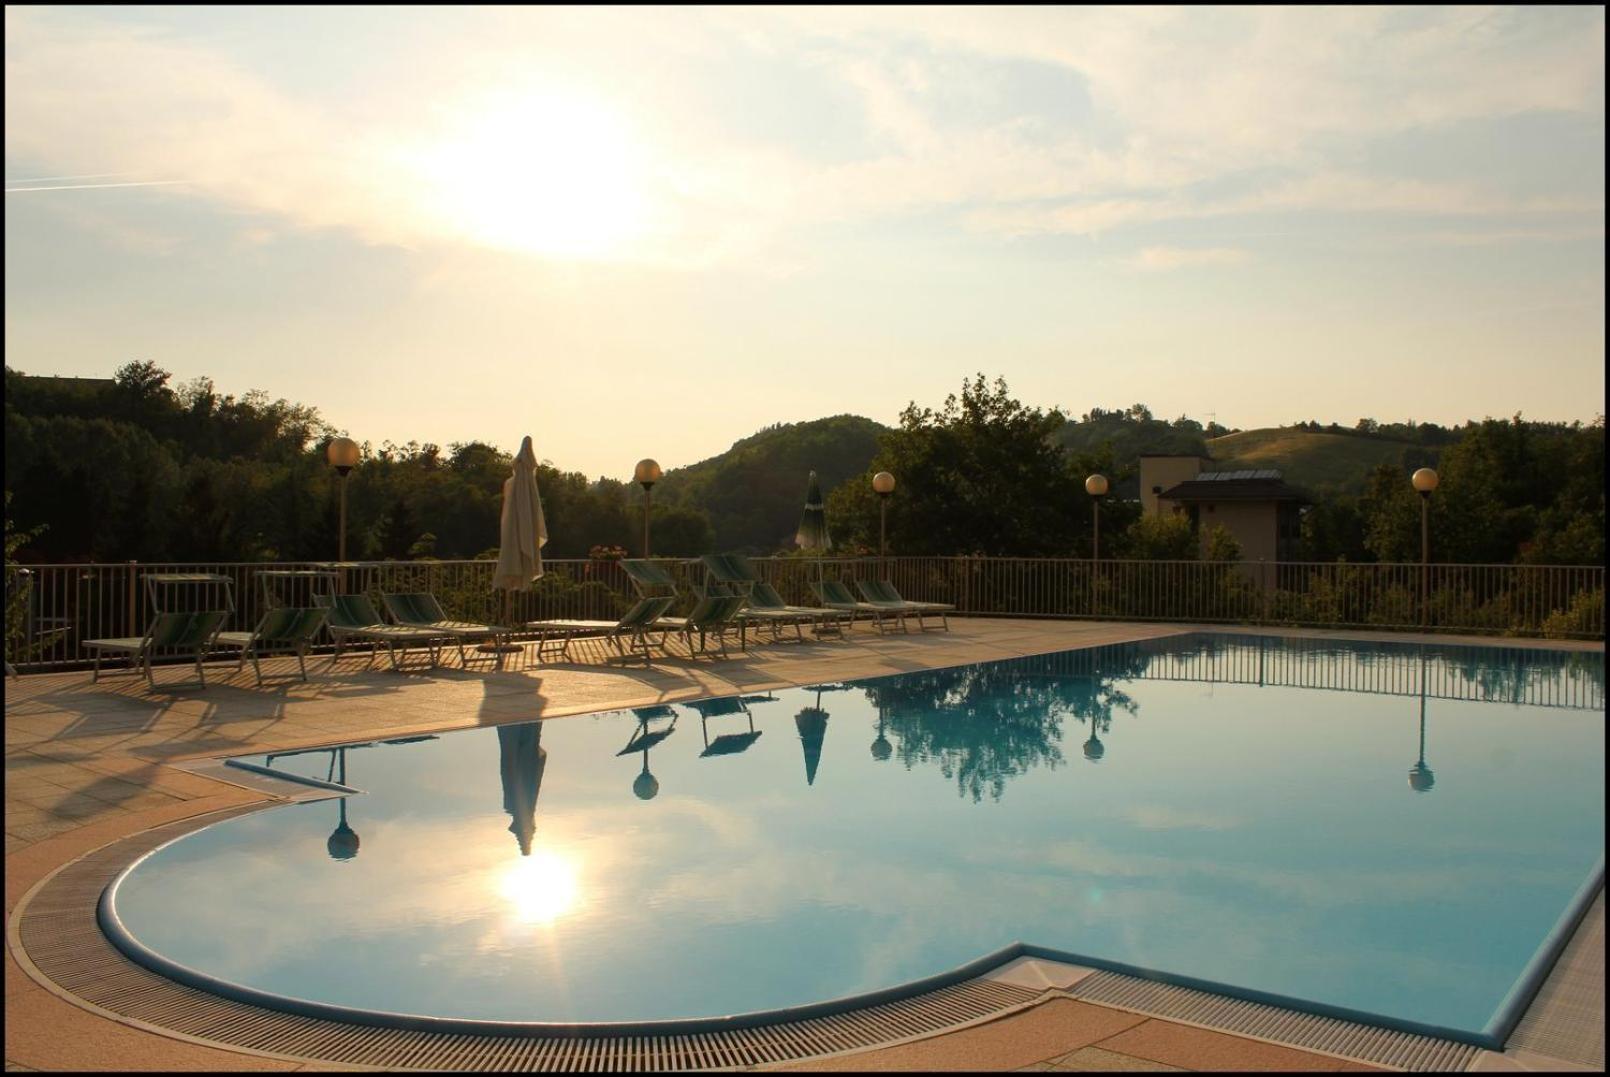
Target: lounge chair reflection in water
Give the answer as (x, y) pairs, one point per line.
(724, 743)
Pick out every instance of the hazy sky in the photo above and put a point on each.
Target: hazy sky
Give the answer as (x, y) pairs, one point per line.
(634, 232)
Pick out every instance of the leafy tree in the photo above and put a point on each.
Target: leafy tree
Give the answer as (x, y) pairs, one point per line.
(1159, 537)
(979, 475)
(17, 593)
(1219, 545)
(753, 493)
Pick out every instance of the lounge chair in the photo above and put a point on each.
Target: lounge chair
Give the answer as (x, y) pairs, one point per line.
(822, 619)
(419, 609)
(650, 579)
(835, 596)
(882, 593)
(355, 617)
(285, 627)
(724, 743)
(637, 623)
(191, 632)
(748, 613)
(713, 616)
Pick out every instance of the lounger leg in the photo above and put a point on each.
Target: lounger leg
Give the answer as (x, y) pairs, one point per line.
(301, 653)
(199, 671)
(95, 674)
(150, 680)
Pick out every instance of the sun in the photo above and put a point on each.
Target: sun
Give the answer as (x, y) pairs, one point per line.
(543, 171)
(539, 888)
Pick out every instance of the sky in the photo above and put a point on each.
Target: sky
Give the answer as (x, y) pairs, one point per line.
(638, 232)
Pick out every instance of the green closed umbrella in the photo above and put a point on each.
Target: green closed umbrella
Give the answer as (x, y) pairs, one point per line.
(812, 533)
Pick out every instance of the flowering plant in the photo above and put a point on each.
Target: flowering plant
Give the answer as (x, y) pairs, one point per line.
(607, 553)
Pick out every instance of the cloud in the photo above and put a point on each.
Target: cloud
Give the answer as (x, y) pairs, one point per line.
(1178, 111)
(1155, 259)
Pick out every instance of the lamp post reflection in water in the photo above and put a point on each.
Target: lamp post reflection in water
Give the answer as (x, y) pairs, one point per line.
(343, 841)
(646, 786)
(1420, 777)
(881, 748)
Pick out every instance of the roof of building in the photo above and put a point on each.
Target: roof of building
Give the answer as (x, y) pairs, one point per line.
(1262, 485)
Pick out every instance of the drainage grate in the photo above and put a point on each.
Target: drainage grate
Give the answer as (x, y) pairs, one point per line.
(1366, 1043)
(58, 933)
(1566, 1019)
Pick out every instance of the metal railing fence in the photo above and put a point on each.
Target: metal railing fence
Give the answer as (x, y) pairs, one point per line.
(53, 608)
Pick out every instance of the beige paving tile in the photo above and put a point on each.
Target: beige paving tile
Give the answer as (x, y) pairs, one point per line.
(1098, 1060)
(1200, 1049)
(1041, 1033)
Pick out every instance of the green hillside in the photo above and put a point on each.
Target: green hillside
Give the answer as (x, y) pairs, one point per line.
(1315, 460)
(753, 492)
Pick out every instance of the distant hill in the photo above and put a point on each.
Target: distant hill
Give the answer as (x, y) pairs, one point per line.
(753, 492)
(1315, 460)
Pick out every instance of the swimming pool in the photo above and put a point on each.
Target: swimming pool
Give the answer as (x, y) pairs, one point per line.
(1379, 828)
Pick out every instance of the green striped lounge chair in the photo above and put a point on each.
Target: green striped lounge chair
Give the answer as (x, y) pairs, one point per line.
(823, 620)
(712, 617)
(835, 596)
(192, 632)
(635, 625)
(651, 580)
(419, 609)
(882, 593)
(354, 617)
(283, 628)
(749, 613)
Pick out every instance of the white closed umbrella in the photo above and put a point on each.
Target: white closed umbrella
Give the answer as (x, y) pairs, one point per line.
(523, 532)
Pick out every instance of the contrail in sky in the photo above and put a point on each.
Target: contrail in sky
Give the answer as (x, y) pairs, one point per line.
(84, 175)
(86, 186)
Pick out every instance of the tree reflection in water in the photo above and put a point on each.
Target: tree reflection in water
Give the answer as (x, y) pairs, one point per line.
(988, 723)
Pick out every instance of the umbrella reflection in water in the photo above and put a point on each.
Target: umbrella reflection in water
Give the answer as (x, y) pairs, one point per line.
(812, 725)
(521, 759)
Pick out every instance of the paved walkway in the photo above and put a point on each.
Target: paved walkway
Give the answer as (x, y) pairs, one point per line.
(88, 763)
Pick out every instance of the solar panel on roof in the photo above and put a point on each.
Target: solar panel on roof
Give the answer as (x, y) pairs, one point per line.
(1238, 476)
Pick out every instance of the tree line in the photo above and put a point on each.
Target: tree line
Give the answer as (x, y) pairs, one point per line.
(132, 468)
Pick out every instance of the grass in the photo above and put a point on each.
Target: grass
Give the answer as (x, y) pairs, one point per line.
(1313, 460)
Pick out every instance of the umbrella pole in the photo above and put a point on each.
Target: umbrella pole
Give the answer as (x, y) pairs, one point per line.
(494, 647)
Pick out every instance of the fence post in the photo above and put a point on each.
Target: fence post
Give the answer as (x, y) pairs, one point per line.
(1263, 581)
(133, 595)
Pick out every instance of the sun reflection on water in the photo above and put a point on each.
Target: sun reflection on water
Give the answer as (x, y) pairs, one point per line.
(540, 888)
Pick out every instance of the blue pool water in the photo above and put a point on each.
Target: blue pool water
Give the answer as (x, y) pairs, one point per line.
(1269, 814)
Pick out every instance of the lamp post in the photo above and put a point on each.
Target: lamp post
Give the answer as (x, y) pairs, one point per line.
(1425, 480)
(343, 456)
(1096, 487)
(883, 486)
(647, 473)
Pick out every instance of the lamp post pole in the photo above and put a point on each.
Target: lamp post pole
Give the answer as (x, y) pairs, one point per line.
(343, 456)
(1096, 487)
(647, 473)
(1425, 480)
(883, 486)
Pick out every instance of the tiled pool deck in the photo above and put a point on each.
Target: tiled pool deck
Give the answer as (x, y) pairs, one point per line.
(87, 764)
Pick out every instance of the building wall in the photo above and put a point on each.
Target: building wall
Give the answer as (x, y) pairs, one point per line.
(1159, 473)
(1253, 523)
